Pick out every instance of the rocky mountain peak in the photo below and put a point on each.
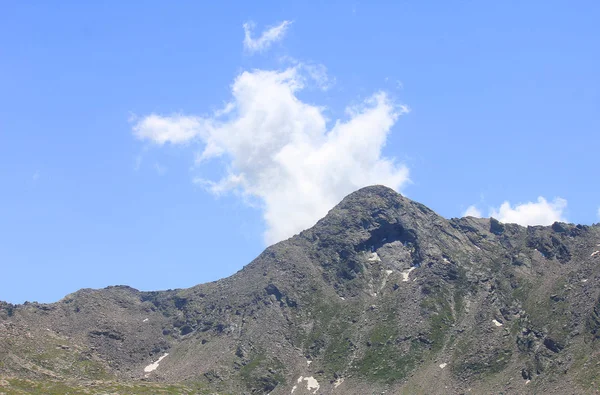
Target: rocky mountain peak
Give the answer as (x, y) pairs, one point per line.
(372, 208)
(381, 295)
(377, 201)
(375, 216)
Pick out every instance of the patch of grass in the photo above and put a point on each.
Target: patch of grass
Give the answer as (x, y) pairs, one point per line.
(22, 386)
(551, 313)
(586, 368)
(494, 363)
(263, 374)
(330, 328)
(385, 361)
(441, 317)
(523, 290)
(248, 369)
(479, 365)
(67, 362)
(386, 358)
(91, 369)
(459, 303)
(338, 349)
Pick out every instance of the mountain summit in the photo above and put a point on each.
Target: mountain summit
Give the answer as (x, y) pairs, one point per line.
(381, 296)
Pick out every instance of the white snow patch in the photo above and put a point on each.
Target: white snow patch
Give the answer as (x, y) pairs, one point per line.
(308, 362)
(338, 382)
(312, 384)
(153, 366)
(145, 320)
(341, 297)
(478, 248)
(497, 323)
(443, 365)
(406, 273)
(374, 257)
(445, 260)
(595, 252)
(300, 379)
(388, 272)
(527, 382)
(293, 389)
(584, 280)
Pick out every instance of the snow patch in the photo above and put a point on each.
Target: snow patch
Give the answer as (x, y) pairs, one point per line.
(145, 320)
(595, 252)
(312, 384)
(293, 389)
(406, 273)
(584, 280)
(308, 362)
(153, 366)
(338, 382)
(497, 323)
(374, 257)
(445, 260)
(527, 382)
(341, 297)
(443, 365)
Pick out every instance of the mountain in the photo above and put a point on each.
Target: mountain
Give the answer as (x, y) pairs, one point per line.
(381, 296)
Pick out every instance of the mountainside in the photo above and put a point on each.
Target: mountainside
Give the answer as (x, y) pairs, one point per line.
(380, 296)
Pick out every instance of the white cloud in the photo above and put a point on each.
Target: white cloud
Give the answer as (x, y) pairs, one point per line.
(268, 37)
(281, 150)
(318, 73)
(541, 212)
(472, 211)
(174, 129)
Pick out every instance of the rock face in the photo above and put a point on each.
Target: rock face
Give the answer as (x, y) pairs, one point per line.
(380, 295)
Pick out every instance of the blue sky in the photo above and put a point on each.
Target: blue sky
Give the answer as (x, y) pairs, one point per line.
(155, 145)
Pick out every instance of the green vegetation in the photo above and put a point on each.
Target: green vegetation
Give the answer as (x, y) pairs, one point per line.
(52, 355)
(21, 386)
(487, 365)
(385, 361)
(247, 370)
(386, 364)
(331, 332)
(551, 310)
(339, 348)
(263, 374)
(439, 308)
(587, 368)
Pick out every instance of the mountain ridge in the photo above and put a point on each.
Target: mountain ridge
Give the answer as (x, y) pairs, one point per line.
(382, 294)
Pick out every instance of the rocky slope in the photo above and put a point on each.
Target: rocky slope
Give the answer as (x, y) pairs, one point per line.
(380, 296)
